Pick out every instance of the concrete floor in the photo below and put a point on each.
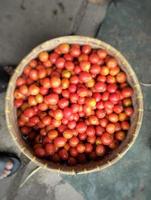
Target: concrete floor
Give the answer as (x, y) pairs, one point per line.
(24, 24)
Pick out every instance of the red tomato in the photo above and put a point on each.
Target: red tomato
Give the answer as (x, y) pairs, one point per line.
(40, 152)
(43, 56)
(84, 77)
(100, 150)
(63, 154)
(111, 63)
(86, 49)
(81, 127)
(60, 142)
(110, 128)
(102, 53)
(50, 149)
(100, 87)
(88, 148)
(80, 148)
(51, 99)
(106, 138)
(90, 131)
(94, 58)
(120, 135)
(121, 77)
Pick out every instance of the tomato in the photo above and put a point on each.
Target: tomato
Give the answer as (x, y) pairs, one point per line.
(127, 92)
(103, 122)
(55, 82)
(18, 103)
(67, 112)
(60, 141)
(72, 124)
(81, 127)
(125, 125)
(122, 116)
(23, 89)
(43, 56)
(93, 120)
(111, 63)
(120, 135)
(118, 108)
(127, 102)
(42, 106)
(77, 69)
(90, 131)
(100, 113)
(113, 117)
(65, 83)
(80, 148)
(39, 98)
(94, 58)
(46, 120)
(64, 48)
(112, 88)
(67, 134)
(100, 150)
(69, 65)
(110, 128)
(73, 141)
(82, 136)
(106, 138)
(68, 57)
(20, 81)
(114, 71)
(51, 99)
(73, 152)
(25, 130)
(108, 105)
(104, 71)
(85, 66)
(75, 51)
(33, 74)
(121, 77)
(72, 88)
(50, 149)
(85, 77)
(86, 49)
(29, 112)
(91, 139)
(53, 57)
(100, 87)
(101, 78)
(83, 57)
(99, 130)
(66, 74)
(105, 96)
(129, 111)
(88, 148)
(65, 93)
(114, 97)
(102, 53)
(43, 90)
(74, 79)
(63, 154)
(39, 151)
(60, 63)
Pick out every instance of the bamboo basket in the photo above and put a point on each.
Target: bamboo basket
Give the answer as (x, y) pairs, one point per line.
(92, 166)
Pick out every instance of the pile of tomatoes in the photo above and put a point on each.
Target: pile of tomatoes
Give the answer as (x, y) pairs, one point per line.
(74, 104)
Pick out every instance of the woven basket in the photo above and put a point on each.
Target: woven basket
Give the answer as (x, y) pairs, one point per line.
(93, 165)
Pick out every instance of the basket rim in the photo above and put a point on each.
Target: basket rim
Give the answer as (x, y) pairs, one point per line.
(71, 39)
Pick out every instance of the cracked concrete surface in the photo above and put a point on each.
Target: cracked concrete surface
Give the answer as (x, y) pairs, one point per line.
(127, 27)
